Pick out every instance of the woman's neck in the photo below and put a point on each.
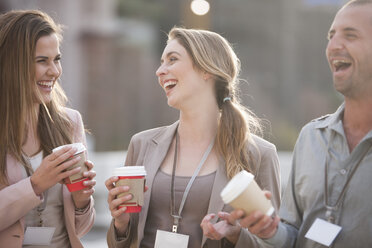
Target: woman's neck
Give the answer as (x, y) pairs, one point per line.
(199, 125)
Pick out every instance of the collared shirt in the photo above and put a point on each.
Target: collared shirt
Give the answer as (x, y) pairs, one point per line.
(303, 199)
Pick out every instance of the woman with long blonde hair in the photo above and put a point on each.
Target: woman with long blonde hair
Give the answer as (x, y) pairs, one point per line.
(189, 162)
(34, 121)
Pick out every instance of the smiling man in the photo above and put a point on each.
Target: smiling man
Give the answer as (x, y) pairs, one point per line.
(328, 197)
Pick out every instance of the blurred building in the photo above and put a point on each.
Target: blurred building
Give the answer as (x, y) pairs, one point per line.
(109, 61)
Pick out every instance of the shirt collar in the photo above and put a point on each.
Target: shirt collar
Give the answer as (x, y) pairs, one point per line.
(333, 121)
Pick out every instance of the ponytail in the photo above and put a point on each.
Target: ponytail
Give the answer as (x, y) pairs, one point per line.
(236, 125)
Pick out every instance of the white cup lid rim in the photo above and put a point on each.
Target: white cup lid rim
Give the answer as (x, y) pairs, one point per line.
(130, 171)
(236, 186)
(80, 147)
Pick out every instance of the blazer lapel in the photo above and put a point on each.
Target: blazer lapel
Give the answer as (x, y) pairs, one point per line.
(14, 175)
(14, 169)
(156, 151)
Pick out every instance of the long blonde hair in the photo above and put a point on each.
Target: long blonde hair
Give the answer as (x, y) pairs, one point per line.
(212, 53)
(19, 32)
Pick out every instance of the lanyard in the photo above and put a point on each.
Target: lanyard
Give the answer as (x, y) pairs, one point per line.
(41, 206)
(177, 217)
(331, 208)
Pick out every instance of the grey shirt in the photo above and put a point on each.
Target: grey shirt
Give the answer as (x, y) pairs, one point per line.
(195, 208)
(303, 200)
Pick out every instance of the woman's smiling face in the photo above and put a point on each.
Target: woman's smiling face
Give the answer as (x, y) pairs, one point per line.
(178, 76)
(47, 65)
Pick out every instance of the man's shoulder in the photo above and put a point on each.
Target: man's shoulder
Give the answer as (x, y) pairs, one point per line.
(326, 120)
(319, 121)
(321, 118)
(316, 123)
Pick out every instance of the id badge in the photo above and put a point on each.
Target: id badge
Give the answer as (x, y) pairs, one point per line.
(166, 239)
(38, 235)
(323, 232)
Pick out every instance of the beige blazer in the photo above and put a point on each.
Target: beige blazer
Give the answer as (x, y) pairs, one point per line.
(19, 198)
(150, 147)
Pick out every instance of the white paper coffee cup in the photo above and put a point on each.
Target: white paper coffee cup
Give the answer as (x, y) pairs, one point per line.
(242, 192)
(75, 182)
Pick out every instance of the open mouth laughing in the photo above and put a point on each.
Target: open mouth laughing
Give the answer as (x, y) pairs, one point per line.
(340, 65)
(46, 85)
(169, 84)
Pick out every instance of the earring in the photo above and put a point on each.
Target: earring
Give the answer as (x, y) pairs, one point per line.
(205, 76)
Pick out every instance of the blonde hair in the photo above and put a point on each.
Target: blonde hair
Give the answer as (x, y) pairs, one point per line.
(212, 53)
(19, 32)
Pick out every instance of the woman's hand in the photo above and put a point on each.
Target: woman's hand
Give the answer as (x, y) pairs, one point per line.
(53, 169)
(259, 224)
(221, 229)
(121, 219)
(82, 197)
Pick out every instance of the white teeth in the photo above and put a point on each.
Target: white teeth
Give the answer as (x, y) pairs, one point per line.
(45, 83)
(169, 83)
(338, 62)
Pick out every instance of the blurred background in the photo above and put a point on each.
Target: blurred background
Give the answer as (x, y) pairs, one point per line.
(112, 48)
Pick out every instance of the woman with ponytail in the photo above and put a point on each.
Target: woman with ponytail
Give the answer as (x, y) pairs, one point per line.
(189, 162)
(36, 208)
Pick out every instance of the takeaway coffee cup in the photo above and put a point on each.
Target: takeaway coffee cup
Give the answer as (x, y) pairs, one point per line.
(242, 192)
(75, 182)
(134, 177)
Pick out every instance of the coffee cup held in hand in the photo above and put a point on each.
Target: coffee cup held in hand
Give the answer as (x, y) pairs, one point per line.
(134, 177)
(75, 182)
(242, 192)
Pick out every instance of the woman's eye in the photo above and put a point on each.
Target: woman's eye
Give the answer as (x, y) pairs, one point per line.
(172, 59)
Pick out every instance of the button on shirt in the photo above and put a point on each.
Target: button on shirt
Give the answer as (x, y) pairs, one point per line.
(303, 199)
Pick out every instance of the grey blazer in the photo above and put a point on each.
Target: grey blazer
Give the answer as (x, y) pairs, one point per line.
(150, 147)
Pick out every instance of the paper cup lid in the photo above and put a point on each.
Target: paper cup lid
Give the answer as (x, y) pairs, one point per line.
(80, 147)
(236, 186)
(130, 171)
